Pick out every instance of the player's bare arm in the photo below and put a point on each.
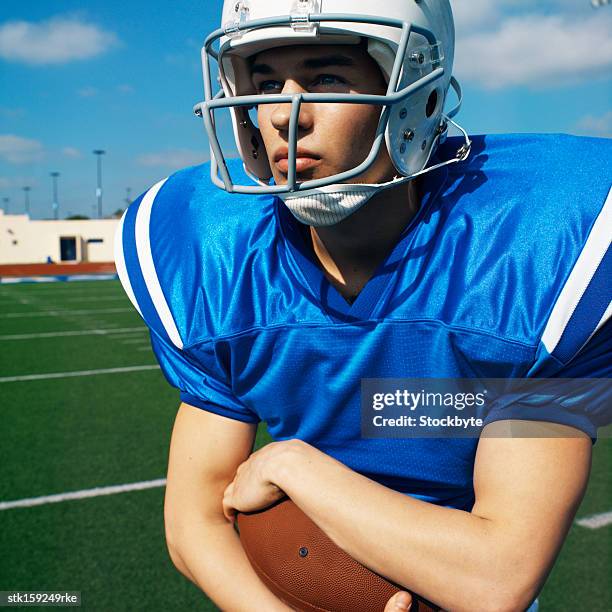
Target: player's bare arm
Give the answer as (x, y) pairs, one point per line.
(204, 454)
(498, 555)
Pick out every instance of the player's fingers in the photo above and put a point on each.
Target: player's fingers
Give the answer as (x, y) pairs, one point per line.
(400, 602)
(228, 510)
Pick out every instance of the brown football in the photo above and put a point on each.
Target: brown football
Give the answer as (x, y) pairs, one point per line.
(305, 569)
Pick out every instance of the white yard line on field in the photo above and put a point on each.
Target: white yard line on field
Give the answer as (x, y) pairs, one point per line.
(27, 377)
(86, 332)
(101, 298)
(62, 294)
(45, 288)
(83, 494)
(596, 520)
(60, 313)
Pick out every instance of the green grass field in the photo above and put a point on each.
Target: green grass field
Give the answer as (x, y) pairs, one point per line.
(71, 433)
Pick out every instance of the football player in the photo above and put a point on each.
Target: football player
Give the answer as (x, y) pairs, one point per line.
(354, 239)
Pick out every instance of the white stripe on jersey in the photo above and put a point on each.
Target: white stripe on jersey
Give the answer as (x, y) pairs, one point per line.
(593, 252)
(145, 257)
(120, 263)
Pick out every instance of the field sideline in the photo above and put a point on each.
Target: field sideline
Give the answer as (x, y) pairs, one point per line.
(86, 422)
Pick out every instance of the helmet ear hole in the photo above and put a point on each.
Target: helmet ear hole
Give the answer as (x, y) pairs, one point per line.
(432, 103)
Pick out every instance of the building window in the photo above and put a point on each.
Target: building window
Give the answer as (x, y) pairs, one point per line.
(68, 250)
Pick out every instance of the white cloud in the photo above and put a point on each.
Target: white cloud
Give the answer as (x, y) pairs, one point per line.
(55, 41)
(87, 92)
(18, 150)
(473, 15)
(4, 182)
(125, 88)
(174, 158)
(596, 126)
(470, 14)
(536, 50)
(71, 152)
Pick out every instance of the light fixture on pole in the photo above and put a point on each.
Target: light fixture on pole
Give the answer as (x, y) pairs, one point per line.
(26, 191)
(99, 153)
(128, 195)
(6, 201)
(55, 205)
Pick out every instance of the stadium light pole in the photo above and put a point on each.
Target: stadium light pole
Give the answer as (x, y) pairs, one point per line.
(6, 202)
(26, 191)
(99, 153)
(128, 195)
(55, 205)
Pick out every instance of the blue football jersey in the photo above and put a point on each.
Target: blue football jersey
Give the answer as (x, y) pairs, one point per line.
(504, 272)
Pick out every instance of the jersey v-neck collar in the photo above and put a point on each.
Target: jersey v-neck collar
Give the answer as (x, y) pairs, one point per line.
(330, 300)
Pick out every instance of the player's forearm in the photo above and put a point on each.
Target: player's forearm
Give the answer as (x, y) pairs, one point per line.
(215, 561)
(454, 558)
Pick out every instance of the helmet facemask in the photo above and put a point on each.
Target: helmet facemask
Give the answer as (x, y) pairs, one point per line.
(411, 122)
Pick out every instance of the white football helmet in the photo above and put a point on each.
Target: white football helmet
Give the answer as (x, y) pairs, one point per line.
(413, 43)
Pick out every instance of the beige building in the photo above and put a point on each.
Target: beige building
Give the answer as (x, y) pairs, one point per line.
(23, 240)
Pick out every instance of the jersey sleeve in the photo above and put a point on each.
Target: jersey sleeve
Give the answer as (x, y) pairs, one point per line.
(196, 373)
(198, 386)
(579, 394)
(576, 342)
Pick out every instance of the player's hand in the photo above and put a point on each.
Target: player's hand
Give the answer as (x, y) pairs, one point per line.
(400, 602)
(252, 488)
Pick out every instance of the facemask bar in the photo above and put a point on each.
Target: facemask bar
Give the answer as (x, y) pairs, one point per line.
(296, 101)
(206, 108)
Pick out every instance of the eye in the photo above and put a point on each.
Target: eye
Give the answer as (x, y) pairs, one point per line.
(269, 87)
(329, 80)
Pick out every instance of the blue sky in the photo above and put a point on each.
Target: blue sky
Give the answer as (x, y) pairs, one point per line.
(123, 76)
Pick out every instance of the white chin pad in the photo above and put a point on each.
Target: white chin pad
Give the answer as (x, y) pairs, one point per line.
(331, 204)
(323, 209)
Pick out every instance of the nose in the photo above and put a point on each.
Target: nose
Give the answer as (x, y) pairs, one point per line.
(281, 115)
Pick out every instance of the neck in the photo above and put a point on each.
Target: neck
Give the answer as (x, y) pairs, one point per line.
(351, 250)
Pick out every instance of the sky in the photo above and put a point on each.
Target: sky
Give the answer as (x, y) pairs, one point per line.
(124, 76)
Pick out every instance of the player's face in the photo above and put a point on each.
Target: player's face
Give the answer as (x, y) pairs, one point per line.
(332, 138)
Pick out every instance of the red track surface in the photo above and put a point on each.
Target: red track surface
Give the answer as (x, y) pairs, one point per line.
(56, 269)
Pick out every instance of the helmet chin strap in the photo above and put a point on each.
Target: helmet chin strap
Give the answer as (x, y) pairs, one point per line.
(331, 204)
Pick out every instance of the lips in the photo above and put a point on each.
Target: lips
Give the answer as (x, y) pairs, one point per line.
(304, 160)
